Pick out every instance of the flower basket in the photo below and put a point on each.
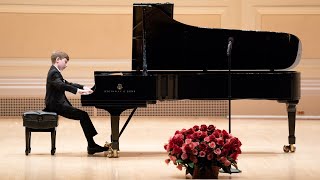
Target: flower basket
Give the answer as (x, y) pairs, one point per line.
(206, 172)
(203, 150)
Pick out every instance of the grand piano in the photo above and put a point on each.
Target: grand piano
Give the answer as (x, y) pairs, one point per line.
(175, 61)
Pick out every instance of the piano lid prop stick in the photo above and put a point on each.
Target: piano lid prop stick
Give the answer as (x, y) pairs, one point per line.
(229, 49)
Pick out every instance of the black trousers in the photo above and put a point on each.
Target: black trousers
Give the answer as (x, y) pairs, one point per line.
(71, 112)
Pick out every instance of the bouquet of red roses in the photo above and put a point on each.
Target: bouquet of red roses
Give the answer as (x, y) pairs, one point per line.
(203, 146)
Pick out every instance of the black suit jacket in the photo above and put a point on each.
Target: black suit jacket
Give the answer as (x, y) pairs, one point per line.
(55, 90)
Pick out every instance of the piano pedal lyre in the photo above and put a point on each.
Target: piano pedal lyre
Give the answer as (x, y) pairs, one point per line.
(111, 153)
(289, 148)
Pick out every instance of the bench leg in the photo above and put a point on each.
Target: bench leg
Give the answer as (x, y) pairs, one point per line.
(28, 141)
(53, 141)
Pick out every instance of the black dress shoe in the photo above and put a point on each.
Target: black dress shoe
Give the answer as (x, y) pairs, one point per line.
(96, 149)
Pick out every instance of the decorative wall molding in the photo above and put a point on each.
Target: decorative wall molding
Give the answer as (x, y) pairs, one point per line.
(109, 7)
(244, 14)
(74, 9)
(226, 8)
(115, 2)
(37, 67)
(27, 76)
(46, 62)
(253, 10)
(310, 87)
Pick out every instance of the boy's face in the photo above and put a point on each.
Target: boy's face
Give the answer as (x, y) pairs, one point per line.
(61, 63)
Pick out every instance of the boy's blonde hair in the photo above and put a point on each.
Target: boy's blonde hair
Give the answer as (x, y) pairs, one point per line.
(58, 54)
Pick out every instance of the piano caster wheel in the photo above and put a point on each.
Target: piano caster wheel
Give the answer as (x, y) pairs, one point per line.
(292, 148)
(53, 151)
(289, 148)
(113, 153)
(27, 151)
(286, 149)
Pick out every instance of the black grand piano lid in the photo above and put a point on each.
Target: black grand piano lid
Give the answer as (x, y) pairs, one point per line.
(172, 45)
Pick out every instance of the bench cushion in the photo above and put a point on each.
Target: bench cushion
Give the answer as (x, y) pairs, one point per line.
(40, 119)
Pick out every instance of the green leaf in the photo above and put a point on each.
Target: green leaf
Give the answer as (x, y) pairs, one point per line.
(179, 161)
(227, 169)
(191, 165)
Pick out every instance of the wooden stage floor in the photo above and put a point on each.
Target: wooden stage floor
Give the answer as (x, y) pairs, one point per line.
(142, 155)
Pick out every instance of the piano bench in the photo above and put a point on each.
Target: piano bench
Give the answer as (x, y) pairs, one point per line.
(40, 121)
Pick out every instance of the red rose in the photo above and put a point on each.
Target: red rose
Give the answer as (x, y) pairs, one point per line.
(190, 131)
(210, 157)
(212, 144)
(178, 139)
(220, 142)
(203, 127)
(195, 152)
(223, 159)
(227, 145)
(183, 131)
(203, 134)
(234, 156)
(203, 146)
(195, 128)
(211, 128)
(207, 139)
(197, 134)
(179, 166)
(225, 152)
(176, 150)
(217, 133)
(166, 147)
(212, 138)
(167, 161)
(188, 141)
(202, 154)
(217, 151)
(227, 163)
(186, 148)
(225, 134)
(173, 159)
(194, 159)
(184, 156)
(194, 145)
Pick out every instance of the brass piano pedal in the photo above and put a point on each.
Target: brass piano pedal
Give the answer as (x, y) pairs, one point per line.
(108, 145)
(289, 148)
(111, 153)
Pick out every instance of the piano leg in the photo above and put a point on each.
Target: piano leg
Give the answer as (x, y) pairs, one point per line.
(115, 118)
(291, 109)
(115, 113)
(115, 131)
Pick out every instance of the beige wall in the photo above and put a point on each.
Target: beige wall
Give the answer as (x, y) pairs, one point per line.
(97, 35)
